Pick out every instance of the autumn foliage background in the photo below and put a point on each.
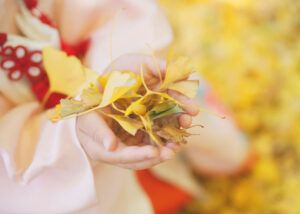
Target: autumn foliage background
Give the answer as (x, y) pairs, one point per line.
(250, 52)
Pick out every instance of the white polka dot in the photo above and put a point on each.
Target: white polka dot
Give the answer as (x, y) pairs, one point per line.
(8, 64)
(34, 71)
(36, 57)
(20, 52)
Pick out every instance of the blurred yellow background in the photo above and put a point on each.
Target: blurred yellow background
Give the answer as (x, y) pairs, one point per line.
(249, 51)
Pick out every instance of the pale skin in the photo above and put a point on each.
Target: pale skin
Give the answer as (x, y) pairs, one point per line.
(100, 142)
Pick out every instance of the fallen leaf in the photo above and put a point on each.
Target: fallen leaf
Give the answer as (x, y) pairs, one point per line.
(164, 109)
(54, 114)
(172, 111)
(149, 100)
(172, 133)
(135, 105)
(148, 124)
(66, 73)
(177, 70)
(69, 107)
(91, 96)
(186, 87)
(128, 124)
(118, 84)
(103, 79)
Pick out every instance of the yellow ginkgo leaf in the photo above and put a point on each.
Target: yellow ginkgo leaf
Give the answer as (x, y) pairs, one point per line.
(163, 106)
(147, 99)
(155, 138)
(135, 105)
(172, 133)
(118, 84)
(148, 124)
(103, 79)
(177, 70)
(54, 114)
(142, 102)
(66, 73)
(186, 87)
(91, 96)
(90, 78)
(164, 109)
(69, 107)
(128, 124)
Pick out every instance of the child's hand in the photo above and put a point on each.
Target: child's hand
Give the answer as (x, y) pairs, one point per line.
(100, 142)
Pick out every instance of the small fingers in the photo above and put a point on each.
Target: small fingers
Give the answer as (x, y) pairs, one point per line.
(130, 154)
(167, 152)
(142, 165)
(185, 120)
(95, 127)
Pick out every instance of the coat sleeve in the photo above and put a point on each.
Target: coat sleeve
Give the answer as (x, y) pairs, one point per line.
(43, 168)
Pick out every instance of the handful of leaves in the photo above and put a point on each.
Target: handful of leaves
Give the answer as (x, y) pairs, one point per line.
(132, 105)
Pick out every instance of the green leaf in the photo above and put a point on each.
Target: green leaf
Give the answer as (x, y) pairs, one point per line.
(164, 109)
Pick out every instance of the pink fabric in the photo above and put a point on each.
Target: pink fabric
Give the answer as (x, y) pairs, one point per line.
(43, 168)
(52, 177)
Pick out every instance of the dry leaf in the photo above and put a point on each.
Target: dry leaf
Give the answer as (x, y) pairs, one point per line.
(54, 114)
(66, 73)
(128, 124)
(177, 70)
(172, 133)
(135, 106)
(91, 96)
(118, 84)
(148, 124)
(69, 107)
(172, 111)
(164, 109)
(103, 79)
(186, 87)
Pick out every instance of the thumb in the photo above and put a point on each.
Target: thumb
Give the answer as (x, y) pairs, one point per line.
(94, 127)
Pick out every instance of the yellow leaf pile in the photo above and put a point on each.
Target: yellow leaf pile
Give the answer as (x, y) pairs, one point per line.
(249, 51)
(128, 101)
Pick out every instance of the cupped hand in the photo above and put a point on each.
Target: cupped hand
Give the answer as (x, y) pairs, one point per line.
(101, 143)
